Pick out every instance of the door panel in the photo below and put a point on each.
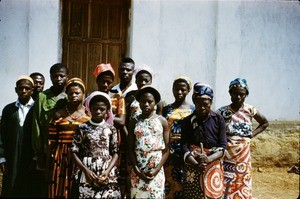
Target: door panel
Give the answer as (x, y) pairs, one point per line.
(94, 32)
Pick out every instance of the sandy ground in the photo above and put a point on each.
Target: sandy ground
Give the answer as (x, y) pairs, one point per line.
(275, 183)
(273, 152)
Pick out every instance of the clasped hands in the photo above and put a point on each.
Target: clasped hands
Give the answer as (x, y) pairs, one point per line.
(199, 159)
(145, 175)
(95, 179)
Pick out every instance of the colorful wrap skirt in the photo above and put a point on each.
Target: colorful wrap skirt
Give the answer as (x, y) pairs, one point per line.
(199, 183)
(237, 168)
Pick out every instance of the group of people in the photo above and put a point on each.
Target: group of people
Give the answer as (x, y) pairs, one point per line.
(122, 141)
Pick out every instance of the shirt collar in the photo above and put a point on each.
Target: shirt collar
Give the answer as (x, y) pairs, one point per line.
(29, 103)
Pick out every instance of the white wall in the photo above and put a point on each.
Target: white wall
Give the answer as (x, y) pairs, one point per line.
(217, 41)
(30, 41)
(210, 41)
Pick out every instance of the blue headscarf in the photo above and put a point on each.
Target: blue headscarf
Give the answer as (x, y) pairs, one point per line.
(239, 82)
(203, 90)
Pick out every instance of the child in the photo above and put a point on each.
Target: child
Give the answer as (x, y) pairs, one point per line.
(11, 129)
(95, 151)
(148, 147)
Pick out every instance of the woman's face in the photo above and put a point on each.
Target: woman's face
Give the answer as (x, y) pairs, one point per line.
(238, 95)
(147, 103)
(75, 94)
(142, 79)
(105, 83)
(203, 106)
(180, 91)
(98, 111)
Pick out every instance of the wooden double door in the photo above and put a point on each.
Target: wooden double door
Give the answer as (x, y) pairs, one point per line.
(94, 32)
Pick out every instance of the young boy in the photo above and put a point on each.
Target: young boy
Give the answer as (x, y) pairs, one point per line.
(11, 131)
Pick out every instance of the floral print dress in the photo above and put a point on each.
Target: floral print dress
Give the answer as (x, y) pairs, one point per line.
(148, 150)
(95, 145)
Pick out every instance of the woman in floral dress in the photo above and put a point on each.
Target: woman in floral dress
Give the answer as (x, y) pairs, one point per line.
(95, 151)
(237, 161)
(148, 147)
(174, 113)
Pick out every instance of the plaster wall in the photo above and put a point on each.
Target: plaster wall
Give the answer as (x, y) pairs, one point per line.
(209, 41)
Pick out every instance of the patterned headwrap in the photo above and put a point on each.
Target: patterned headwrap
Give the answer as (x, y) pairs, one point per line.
(25, 77)
(75, 80)
(110, 118)
(145, 68)
(185, 78)
(203, 90)
(103, 68)
(239, 82)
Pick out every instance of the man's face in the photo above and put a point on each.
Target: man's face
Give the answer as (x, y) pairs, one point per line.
(59, 78)
(126, 72)
(24, 90)
(39, 83)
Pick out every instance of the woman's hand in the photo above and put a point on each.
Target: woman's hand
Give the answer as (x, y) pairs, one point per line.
(150, 175)
(90, 175)
(140, 174)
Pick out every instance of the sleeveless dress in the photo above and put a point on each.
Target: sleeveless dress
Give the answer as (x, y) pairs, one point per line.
(148, 150)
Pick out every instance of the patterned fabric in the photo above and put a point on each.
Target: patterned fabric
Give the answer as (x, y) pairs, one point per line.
(238, 123)
(237, 160)
(174, 165)
(119, 108)
(149, 145)
(61, 169)
(95, 146)
(237, 168)
(213, 181)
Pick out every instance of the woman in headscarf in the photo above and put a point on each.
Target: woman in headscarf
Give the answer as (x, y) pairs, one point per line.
(203, 140)
(174, 113)
(61, 130)
(95, 151)
(237, 161)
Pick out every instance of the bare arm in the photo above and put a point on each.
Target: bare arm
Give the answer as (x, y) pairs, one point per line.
(165, 151)
(263, 124)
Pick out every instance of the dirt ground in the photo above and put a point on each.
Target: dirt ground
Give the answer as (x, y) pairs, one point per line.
(273, 152)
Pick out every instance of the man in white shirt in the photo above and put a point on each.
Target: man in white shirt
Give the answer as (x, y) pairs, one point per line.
(11, 131)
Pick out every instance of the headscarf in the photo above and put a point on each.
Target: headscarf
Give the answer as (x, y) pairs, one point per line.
(25, 77)
(239, 82)
(185, 78)
(103, 68)
(145, 68)
(110, 118)
(203, 90)
(76, 80)
(148, 89)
